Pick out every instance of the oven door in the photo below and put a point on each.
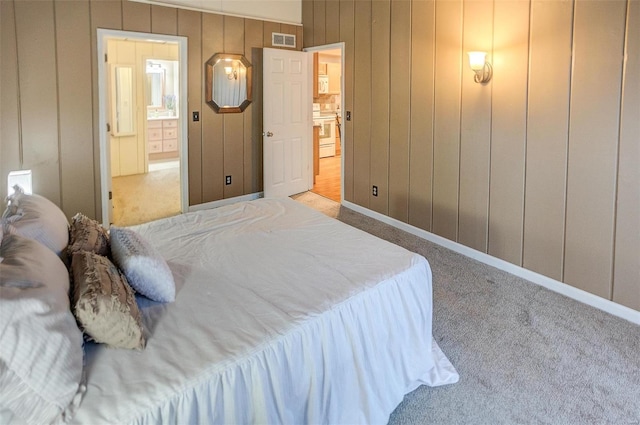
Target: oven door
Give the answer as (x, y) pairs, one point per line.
(327, 138)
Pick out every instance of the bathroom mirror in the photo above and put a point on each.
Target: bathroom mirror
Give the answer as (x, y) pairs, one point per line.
(228, 82)
(154, 92)
(122, 100)
(161, 82)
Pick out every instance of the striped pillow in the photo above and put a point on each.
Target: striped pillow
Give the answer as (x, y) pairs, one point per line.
(40, 343)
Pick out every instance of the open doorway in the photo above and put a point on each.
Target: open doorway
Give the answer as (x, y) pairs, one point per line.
(143, 104)
(328, 103)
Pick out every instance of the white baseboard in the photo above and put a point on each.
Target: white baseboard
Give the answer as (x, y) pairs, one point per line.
(222, 202)
(552, 284)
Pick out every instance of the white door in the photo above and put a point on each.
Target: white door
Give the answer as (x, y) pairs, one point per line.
(287, 122)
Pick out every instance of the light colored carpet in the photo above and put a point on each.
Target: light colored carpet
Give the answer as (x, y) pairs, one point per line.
(525, 355)
(140, 198)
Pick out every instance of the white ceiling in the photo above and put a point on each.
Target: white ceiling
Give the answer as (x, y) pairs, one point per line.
(285, 11)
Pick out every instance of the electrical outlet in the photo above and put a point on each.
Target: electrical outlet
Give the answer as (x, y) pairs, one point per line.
(196, 116)
(227, 180)
(374, 192)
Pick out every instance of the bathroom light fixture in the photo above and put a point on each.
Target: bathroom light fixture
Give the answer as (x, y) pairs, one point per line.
(483, 69)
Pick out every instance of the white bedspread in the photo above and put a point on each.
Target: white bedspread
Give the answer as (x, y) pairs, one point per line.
(282, 316)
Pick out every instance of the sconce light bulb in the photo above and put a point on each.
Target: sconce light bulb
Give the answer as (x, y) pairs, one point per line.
(477, 60)
(482, 69)
(228, 70)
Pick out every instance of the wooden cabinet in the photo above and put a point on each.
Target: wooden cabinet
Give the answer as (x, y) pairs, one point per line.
(330, 71)
(334, 71)
(162, 138)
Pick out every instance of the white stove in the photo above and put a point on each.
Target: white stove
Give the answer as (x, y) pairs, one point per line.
(327, 123)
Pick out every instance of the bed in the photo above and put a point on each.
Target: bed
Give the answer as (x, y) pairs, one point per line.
(281, 315)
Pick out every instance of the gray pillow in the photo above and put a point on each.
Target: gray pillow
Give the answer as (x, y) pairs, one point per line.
(36, 217)
(103, 302)
(146, 271)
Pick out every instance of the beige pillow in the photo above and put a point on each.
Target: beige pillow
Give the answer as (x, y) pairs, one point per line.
(104, 303)
(87, 235)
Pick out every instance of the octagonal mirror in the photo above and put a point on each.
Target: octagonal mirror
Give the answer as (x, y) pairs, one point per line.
(228, 82)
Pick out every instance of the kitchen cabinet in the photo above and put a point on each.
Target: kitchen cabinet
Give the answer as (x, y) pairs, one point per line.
(334, 71)
(326, 72)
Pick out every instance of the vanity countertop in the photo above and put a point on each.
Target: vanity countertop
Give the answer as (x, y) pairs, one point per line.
(162, 118)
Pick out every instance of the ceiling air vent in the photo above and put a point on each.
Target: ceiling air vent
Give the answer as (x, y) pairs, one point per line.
(283, 40)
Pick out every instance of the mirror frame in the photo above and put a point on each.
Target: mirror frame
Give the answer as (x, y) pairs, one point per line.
(209, 83)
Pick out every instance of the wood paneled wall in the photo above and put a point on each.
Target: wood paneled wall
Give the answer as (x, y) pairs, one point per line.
(539, 167)
(50, 99)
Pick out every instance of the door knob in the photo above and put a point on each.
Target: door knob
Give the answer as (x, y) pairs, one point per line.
(269, 134)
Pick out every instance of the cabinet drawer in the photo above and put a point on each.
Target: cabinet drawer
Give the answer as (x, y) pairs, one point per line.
(169, 133)
(155, 147)
(154, 134)
(170, 145)
(170, 124)
(154, 124)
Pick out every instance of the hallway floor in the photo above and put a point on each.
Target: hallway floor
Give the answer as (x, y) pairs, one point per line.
(140, 198)
(328, 181)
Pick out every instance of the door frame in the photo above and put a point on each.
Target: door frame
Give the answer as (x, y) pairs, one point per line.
(333, 46)
(103, 35)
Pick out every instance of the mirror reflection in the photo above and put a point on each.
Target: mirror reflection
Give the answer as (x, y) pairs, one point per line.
(228, 87)
(122, 100)
(161, 86)
(155, 87)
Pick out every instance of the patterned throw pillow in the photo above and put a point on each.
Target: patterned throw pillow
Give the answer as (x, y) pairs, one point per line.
(87, 235)
(103, 302)
(146, 271)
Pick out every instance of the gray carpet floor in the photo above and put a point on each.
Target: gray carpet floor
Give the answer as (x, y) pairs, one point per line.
(525, 355)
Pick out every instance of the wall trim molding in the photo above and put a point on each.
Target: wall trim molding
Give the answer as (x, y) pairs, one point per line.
(536, 278)
(227, 201)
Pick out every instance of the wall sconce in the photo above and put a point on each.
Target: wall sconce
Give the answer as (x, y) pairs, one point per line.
(483, 69)
(232, 73)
